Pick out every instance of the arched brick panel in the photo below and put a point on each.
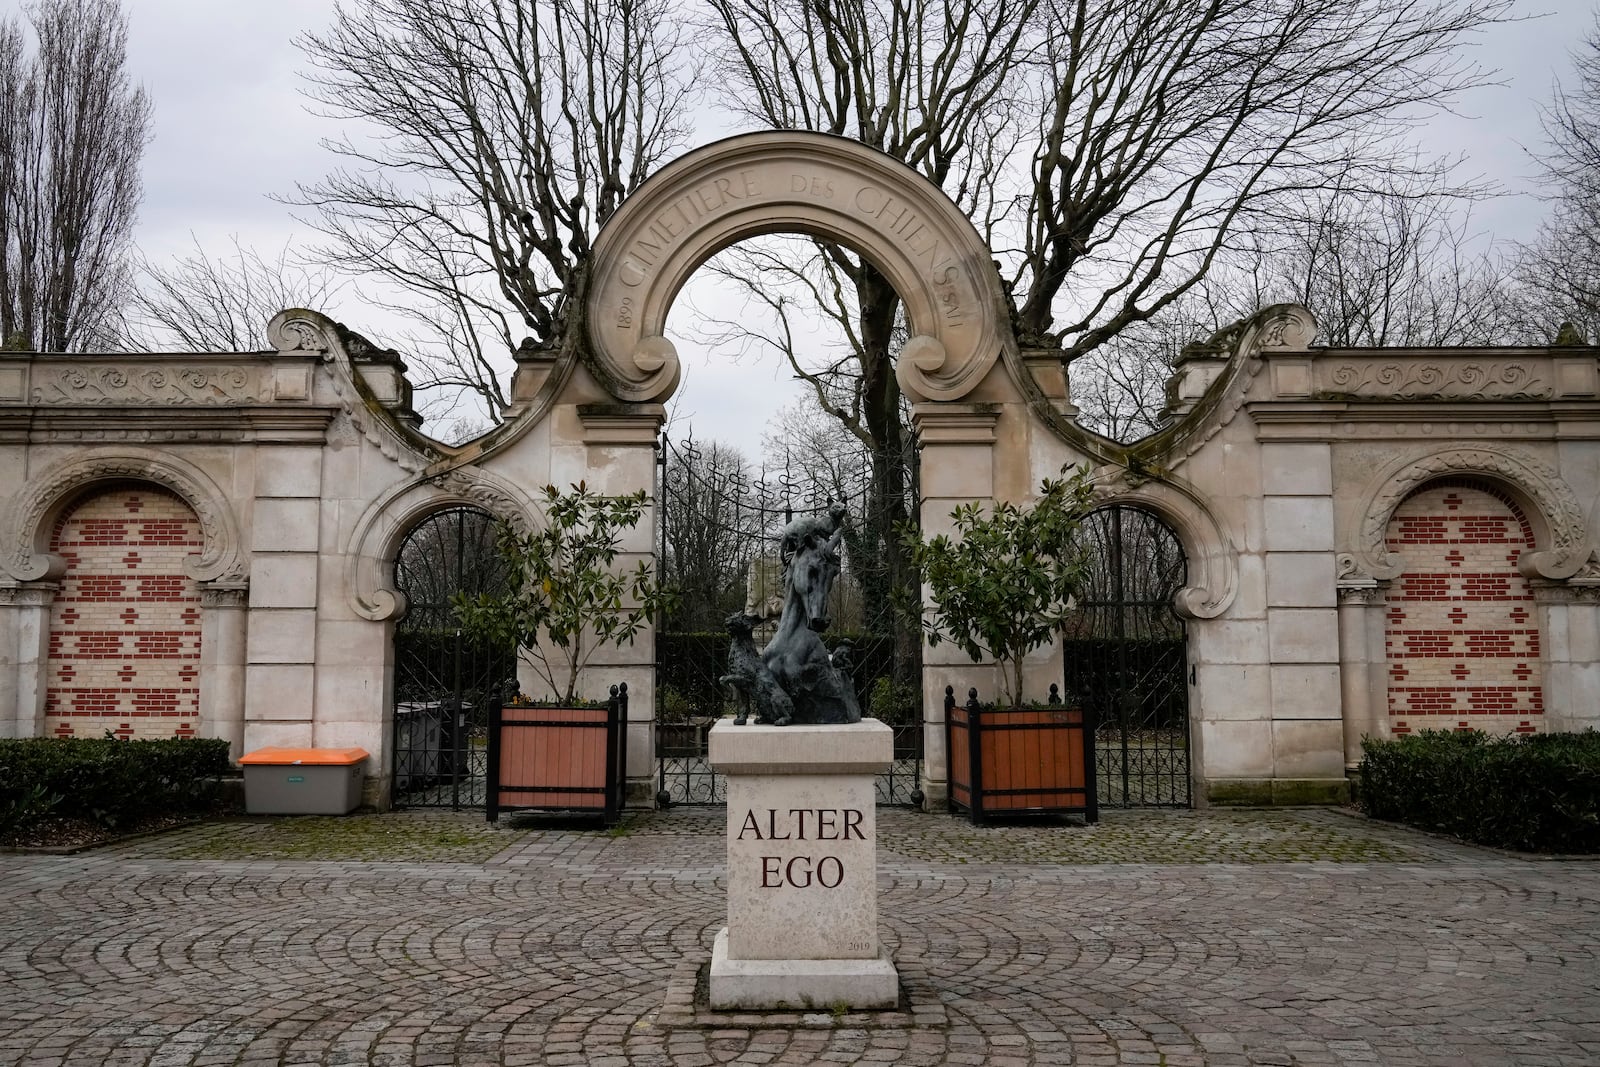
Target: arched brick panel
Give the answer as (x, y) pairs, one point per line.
(1461, 631)
(124, 651)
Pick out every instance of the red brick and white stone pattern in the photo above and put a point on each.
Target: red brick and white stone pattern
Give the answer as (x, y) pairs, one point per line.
(1461, 631)
(125, 628)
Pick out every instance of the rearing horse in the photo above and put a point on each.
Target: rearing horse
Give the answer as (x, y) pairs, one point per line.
(795, 655)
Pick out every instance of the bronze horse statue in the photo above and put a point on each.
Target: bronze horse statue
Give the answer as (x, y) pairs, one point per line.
(796, 656)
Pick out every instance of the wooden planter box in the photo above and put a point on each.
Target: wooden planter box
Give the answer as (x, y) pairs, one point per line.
(1019, 761)
(565, 760)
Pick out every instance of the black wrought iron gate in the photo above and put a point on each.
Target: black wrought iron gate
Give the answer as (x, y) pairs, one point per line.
(1125, 660)
(445, 684)
(717, 543)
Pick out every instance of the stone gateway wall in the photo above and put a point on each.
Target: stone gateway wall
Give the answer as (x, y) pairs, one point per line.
(1375, 540)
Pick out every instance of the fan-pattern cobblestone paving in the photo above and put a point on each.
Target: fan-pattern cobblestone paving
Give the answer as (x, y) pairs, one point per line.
(1176, 938)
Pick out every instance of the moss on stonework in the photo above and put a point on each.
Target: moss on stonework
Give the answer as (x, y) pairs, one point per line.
(1276, 792)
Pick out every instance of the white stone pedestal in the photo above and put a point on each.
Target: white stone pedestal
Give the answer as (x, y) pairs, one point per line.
(802, 868)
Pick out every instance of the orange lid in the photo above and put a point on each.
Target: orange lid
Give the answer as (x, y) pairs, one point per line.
(304, 756)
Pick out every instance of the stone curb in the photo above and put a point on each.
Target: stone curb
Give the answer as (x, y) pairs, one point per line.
(685, 1008)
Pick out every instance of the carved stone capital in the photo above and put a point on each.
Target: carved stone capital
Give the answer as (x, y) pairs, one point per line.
(29, 595)
(1584, 592)
(227, 596)
(1359, 595)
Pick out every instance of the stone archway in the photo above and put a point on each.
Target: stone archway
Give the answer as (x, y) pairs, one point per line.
(840, 190)
(793, 182)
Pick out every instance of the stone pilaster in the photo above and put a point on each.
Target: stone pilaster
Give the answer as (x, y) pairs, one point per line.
(1360, 608)
(620, 457)
(24, 650)
(281, 623)
(222, 663)
(1569, 622)
(958, 447)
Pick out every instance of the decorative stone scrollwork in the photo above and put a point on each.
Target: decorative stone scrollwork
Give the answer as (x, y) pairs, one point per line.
(1213, 561)
(485, 490)
(106, 386)
(369, 574)
(1287, 326)
(27, 522)
(1438, 381)
(299, 330)
(1563, 540)
(1280, 326)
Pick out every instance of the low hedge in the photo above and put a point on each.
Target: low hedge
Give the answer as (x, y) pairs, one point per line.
(106, 781)
(1534, 793)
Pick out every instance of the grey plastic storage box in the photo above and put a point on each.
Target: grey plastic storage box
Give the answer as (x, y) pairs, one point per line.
(303, 781)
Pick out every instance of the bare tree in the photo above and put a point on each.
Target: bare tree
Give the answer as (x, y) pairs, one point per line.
(1167, 129)
(1376, 270)
(1400, 267)
(72, 131)
(201, 303)
(1560, 270)
(711, 528)
(929, 82)
(502, 136)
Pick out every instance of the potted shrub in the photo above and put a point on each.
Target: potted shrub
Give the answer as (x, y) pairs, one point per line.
(1002, 587)
(564, 599)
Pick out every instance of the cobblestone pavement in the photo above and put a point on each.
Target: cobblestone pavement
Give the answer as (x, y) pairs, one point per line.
(1165, 938)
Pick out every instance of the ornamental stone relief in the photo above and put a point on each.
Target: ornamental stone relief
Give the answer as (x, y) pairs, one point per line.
(221, 558)
(1564, 549)
(790, 181)
(103, 385)
(298, 330)
(1436, 381)
(1277, 326)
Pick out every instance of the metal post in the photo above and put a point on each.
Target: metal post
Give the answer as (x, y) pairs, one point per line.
(975, 757)
(455, 717)
(614, 711)
(1120, 635)
(491, 792)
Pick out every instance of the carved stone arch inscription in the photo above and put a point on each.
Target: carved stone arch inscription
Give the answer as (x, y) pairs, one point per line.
(28, 517)
(791, 182)
(1550, 504)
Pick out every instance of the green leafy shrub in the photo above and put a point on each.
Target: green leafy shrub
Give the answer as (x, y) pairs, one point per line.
(894, 703)
(1535, 793)
(565, 598)
(24, 805)
(110, 782)
(1004, 585)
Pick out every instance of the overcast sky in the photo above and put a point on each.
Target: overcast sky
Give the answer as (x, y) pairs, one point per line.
(232, 129)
